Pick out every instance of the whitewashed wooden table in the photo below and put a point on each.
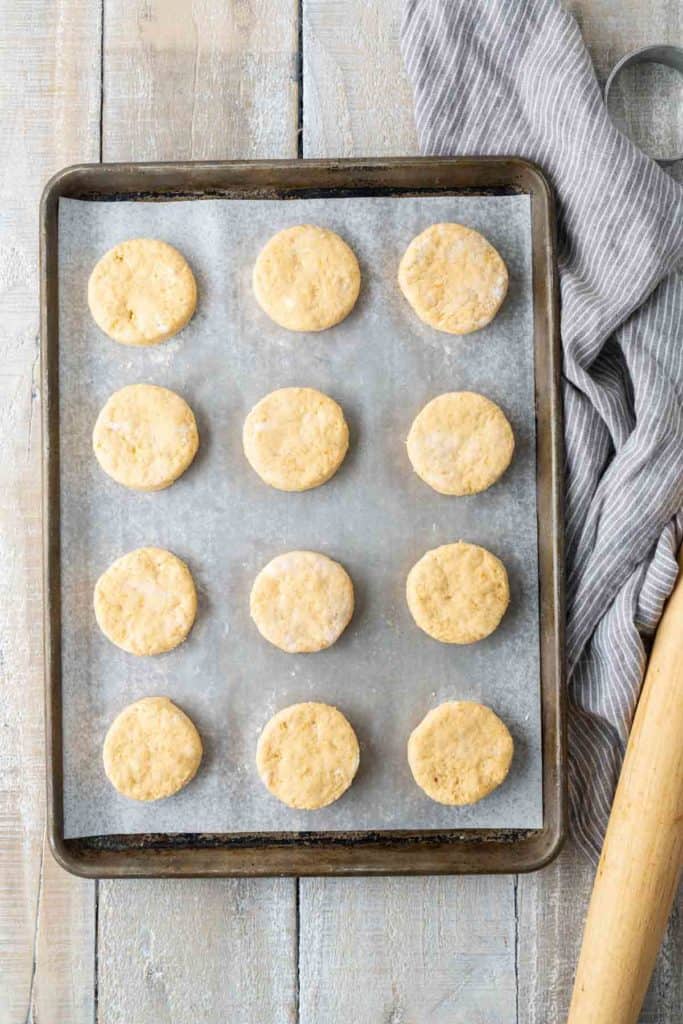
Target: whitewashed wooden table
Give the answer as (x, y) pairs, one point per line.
(88, 80)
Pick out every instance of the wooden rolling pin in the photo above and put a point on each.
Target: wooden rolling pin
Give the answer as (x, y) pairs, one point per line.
(641, 859)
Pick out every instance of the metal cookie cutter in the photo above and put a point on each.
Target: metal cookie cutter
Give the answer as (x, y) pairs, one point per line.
(670, 56)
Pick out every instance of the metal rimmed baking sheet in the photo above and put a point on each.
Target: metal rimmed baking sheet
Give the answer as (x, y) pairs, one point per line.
(318, 677)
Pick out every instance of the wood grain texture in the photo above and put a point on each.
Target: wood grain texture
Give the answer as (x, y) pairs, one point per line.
(49, 114)
(646, 100)
(408, 950)
(213, 79)
(552, 906)
(357, 99)
(197, 950)
(393, 950)
(200, 79)
(64, 980)
(612, 28)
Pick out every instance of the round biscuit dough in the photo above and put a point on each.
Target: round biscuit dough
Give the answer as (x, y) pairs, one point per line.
(142, 292)
(458, 593)
(307, 755)
(302, 601)
(460, 752)
(295, 438)
(145, 437)
(460, 443)
(152, 750)
(453, 278)
(146, 601)
(306, 278)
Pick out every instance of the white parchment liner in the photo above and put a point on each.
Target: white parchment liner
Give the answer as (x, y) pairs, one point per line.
(376, 517)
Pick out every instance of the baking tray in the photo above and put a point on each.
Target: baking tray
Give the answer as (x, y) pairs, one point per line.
(400, 852)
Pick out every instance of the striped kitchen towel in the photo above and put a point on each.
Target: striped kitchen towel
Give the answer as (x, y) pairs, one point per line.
(514, 77)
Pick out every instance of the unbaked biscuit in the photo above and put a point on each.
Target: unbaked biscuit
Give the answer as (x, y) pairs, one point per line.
(306, 278)
(302, 601)
(458, 593)
(142, 292)
(152, 750)
(295, 438)
(145, 437)
(307, 755)
(460, 752)
(460, 443)
(453, 278)
(146, 601)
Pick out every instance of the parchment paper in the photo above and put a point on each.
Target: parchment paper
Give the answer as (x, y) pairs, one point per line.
(376, 517)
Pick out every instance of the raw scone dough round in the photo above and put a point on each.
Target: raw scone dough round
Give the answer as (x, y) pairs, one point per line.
(295, 438)
(307, 755)
(146, 601)
(145, 437)
(306, 278)
(458, 593)
(302, 601)
(460, 443)
(460, 752)
(453, 278)
(141, 292)
(151, 750)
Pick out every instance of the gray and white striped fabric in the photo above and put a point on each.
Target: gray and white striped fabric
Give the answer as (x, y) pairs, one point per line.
(514, 77)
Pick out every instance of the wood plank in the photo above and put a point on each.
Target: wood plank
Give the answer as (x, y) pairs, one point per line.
(50, 119)
(389, 949)
(437, 950)
(200, 950)
(64, 983)
(664, 1000)
(198, 80)
(49, 116)
(356, 96)
(646, 100)
(612, 28)
(552, 906)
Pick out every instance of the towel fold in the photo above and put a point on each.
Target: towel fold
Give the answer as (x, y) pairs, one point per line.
(501, 77)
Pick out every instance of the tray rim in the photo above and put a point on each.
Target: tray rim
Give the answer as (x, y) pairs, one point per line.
(348, 853)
